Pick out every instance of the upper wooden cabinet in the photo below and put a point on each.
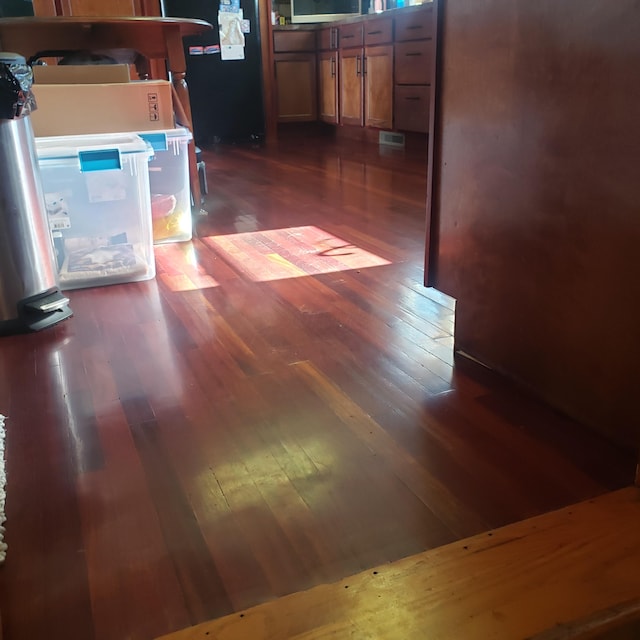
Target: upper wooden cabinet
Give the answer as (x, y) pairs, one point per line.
(96, 8)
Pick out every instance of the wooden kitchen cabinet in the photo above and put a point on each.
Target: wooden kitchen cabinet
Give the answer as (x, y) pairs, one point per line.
(413, 62)
(328, 87)
(328, 39)
(300, 40)
(366, 73)
(378, 83)
(351, 87)
(414, 25)
(411, 110)
(414, 51)
(295, 73)
(296, 86)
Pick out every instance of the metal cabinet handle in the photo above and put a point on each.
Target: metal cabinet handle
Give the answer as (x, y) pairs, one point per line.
(358, 62)
(333, 67)
(374, 33)
(411, 98)
(413, 53)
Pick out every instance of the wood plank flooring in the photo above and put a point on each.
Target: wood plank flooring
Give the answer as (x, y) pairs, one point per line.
(278, 409)
(571, 573)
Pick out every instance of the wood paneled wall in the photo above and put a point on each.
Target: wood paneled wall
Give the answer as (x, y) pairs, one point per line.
(536, 197)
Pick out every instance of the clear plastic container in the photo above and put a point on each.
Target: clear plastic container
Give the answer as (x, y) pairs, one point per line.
(99, 208)
(169, 184)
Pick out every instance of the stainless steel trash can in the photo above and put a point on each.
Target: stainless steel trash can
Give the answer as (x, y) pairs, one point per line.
(30, 299)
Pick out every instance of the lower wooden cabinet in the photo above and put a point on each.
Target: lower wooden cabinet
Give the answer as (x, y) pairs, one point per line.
(296, 87)
(412, 108)
(378, 87)
(351, 88)
(366, 86)
(328, 86)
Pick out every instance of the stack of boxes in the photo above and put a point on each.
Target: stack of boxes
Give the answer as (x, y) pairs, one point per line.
(114, 170)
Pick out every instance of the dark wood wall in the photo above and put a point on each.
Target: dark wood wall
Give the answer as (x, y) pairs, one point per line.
(536, 197)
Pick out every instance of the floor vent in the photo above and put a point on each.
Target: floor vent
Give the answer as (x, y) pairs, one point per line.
(391, 138)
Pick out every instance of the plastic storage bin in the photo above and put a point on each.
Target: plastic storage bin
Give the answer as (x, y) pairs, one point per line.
(169, 184)
(99, 208)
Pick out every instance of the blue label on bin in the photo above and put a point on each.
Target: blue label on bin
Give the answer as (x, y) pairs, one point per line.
(158, 141)
(100, 160)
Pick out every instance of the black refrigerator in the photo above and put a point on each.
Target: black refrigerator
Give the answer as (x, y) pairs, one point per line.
(226, 95)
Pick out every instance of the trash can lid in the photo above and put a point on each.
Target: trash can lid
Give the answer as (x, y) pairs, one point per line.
(12, 58)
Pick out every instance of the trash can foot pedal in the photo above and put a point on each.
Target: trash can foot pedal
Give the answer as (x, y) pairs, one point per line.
(51, 302)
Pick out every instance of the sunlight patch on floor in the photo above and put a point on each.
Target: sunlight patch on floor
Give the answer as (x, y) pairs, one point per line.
(294, 252)
(178, 268)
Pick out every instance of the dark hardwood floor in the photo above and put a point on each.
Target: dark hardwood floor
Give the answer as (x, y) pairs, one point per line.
(279, 408)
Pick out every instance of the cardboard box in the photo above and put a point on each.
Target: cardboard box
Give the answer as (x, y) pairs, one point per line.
(70, 109)
(81, 74)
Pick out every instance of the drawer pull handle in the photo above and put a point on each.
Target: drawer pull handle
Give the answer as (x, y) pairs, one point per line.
(374, 33)
(411, 98)
(415, 26)
(349, 36)
(413, 53)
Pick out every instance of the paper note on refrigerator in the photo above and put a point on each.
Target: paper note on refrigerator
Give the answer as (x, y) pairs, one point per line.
(232, 52)
(230, 25)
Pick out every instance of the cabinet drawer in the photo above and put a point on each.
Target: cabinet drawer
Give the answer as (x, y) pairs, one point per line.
(414, 25)
(328, 38)
(411, 108)
(378, 31)
(294, 41)
(413, 62)
(351, 35)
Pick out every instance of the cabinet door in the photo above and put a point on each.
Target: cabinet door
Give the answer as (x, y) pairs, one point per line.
(101, 8)
(378, 83)
(351, 86)
(328, 86)
(296, 86)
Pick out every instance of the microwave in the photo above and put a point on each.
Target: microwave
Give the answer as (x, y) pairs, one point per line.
(306, 11)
